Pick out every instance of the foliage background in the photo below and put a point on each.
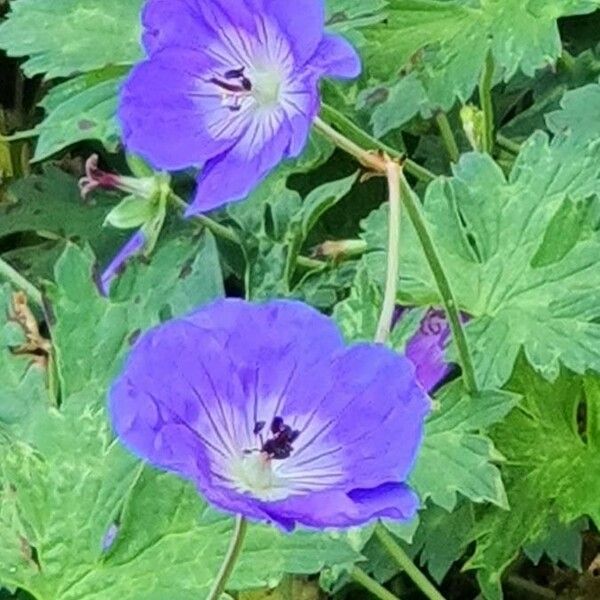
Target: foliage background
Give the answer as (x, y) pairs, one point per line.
(509, 478)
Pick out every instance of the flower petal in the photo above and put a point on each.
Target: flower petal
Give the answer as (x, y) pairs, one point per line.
(193, 24)
(172, 116)
(301, 104)
(335, 508)
(270, 345)
(367, 419)
(134, 246)
(175, 24)
(336, 57)
(233, 175)
(303, 22)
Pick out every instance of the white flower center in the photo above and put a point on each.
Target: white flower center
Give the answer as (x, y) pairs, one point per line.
(266, 86)
(255, 474)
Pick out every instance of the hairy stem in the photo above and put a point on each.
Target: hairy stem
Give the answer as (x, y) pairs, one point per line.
(485, 99)
(347, 128)
(447, 136)
(393, 171)
(415, 212)
(233, 553)
(371, 585)
(406, 564)
(13, 276)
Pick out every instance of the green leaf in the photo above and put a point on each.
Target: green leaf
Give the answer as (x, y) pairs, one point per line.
(357, 316)
(456, 457)
(526, 282)
(59, 496)
(443, 537)
(562, 543)
(441, 46)
(169, 542)
(132, 212)
(548, 89)
(50, 203)
(65, 37)
(83, 108)
(174, 543)
(321, 199)
(550, 473)
(183, 273)
(326, 288)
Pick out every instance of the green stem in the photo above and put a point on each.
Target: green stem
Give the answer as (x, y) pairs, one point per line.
(7, 272)
(364, 140)
(485, 99)
(508, 144)
(371, 585)
(393, 171)
(415, 212)
(233, 553)
(20, 135)
(448, 137)
(227, 234)
(406, 564)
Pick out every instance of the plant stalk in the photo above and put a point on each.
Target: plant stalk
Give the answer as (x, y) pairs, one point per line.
(393, 172)
(364, 140)
(415, 212)
(485, 99)
(13, 276)
(371, 585)
(233, 553)
(406, 564)
(448, 137)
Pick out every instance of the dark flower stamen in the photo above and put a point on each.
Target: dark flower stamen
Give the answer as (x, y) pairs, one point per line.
(278, 447)
(243, 87)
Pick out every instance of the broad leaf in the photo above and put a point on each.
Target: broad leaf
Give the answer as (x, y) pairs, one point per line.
(66, 37)
(550, 473)
(83, 108)
(183, 274)
(526, 281)
(442, 45)
(456, 457)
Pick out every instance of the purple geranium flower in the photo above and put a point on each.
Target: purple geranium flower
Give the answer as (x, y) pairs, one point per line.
(271, 416)
(426, 349)
(231, 84)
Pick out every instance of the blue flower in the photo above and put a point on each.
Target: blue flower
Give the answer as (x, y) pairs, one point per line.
(231, 85)
(270, 415)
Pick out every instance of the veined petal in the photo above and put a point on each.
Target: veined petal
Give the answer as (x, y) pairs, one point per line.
(172, 116)
(336, 57)
(193, 24)
(301, 105)
(232, 176)
(335, 508)
(367, 416)
(303, 22)
(175, 24)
